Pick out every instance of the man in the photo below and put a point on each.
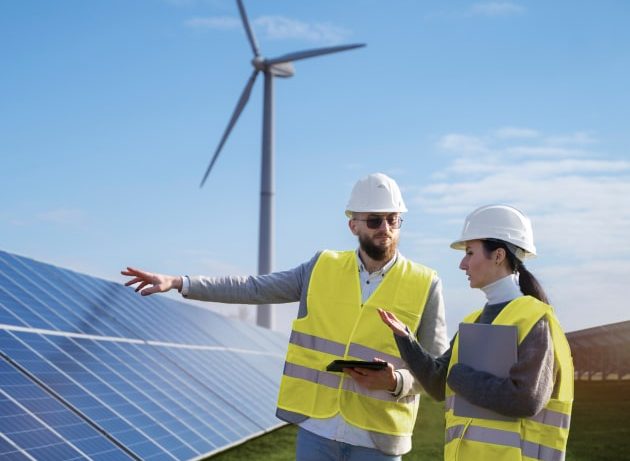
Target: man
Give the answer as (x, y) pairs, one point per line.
(362, 414)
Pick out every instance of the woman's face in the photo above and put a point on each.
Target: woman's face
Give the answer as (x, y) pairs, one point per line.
(481, 270)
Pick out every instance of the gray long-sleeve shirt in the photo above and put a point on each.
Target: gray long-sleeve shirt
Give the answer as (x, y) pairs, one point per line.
(291, 286)
(523, 393)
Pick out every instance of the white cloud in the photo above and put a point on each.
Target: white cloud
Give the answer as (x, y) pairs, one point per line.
(577, 200)
(521, 142)
(497, 9)
(12, 220)
(543, 151)
(579, 138)
(461, 143)
(282, 28)
(594, 291)
(62, 217)
(515, 132)
(276, 28)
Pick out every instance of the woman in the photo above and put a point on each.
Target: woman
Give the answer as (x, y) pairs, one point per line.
(538, 393)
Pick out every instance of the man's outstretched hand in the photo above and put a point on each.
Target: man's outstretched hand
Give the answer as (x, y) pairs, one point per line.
(159, 283)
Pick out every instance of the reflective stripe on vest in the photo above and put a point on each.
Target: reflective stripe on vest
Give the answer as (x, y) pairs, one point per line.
(503, 438)
(543, 436)
(308, 374)
(317, 344)
(338, 326)
(355, 351)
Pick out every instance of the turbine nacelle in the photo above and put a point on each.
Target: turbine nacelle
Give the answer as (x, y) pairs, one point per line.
(280, 69)
(283, 70)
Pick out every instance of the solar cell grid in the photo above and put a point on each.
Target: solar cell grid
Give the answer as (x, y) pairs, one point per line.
(218, 369)
(67, 303)
(20, 308)
(25, 407)
(195, 398)
(139, 390)
(152, 319)
(111, 391)
(226, 332)
(77, 396)
(8, 308)
(47, 307)
(162, 379)
(10, 452)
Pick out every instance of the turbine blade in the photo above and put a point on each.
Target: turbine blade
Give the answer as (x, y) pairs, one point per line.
(235, 115)
(248, 28)
(311, 53)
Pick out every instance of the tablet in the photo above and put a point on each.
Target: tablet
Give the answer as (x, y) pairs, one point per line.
(339, 365)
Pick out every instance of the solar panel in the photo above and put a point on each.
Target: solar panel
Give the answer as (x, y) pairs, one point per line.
(34, 425)
(602, 350)
(126, 377)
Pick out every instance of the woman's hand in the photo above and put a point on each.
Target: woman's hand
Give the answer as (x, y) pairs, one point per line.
(389, 319)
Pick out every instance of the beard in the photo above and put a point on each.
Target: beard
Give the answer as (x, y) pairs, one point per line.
(378, 252)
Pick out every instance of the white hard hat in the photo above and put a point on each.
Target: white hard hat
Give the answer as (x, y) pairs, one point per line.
(499, 222)
(376, 193)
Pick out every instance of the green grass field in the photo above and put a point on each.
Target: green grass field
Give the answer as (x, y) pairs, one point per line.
(600, 424)
(600, 429)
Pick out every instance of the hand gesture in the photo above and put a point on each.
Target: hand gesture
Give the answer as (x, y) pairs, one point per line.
(389, 319)
(159, 282)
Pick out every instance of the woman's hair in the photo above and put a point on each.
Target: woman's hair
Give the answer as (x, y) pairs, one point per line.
(526, 280)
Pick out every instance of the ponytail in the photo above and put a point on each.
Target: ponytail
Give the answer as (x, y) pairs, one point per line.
(528, 284)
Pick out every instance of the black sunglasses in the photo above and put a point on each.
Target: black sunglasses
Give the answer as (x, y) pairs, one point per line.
(375, 222)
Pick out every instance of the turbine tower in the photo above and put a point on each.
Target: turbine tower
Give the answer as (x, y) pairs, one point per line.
(280, 66)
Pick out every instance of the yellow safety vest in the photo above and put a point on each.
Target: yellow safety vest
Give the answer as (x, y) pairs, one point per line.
(338, 325)
(540, 437)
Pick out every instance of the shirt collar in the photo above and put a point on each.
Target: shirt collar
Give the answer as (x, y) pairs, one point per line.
(382, 271)
(502, 290)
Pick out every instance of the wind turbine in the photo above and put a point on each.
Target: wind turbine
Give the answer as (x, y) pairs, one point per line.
(270, 67)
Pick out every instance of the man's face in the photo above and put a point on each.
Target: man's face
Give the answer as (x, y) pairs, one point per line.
(378, 233)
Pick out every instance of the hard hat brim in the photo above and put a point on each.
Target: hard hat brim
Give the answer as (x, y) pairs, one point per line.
(402, 209)
(521, 253)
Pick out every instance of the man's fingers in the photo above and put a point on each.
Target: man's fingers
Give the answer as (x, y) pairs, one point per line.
(131, 271)
(143, 279)
(150, 290)
(354, 373)
(133, 281)
(142, 285)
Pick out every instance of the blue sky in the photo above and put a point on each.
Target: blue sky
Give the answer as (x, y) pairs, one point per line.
(110, 112)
